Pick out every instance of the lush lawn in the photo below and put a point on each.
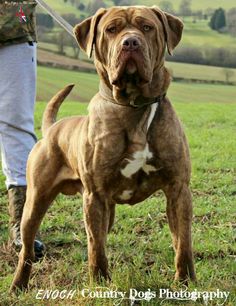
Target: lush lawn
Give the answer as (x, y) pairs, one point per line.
(51, 80)
(139, 246)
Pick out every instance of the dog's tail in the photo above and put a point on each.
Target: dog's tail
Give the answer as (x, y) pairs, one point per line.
(50, 113)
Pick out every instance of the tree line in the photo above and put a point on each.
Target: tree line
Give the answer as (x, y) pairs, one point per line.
(219, 20)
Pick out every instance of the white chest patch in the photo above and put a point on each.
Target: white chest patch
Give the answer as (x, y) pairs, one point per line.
(138, 162)
(126, 195)
(140, 158)
(152, 114)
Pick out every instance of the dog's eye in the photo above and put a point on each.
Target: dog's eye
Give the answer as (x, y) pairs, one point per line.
(147, 28)
(112, 29)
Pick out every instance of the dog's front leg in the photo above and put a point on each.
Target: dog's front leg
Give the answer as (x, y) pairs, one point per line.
(179, 213)
(97, 218)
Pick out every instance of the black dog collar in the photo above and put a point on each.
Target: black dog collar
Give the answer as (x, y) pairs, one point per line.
(143, 101)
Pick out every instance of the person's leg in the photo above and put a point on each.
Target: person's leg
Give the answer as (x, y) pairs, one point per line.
(17, 97)
(15, 145)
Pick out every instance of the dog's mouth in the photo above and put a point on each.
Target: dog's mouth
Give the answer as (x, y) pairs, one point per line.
(130, 69)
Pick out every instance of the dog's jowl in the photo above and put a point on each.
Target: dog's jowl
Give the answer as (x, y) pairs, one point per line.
(130, 145)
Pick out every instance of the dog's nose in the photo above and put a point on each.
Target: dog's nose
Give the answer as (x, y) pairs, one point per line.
(131, 44)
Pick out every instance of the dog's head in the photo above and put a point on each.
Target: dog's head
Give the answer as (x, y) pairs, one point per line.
(129, 44)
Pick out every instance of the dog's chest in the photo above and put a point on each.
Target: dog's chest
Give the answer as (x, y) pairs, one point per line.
(140, 157)
(140, 160)
(138, 167)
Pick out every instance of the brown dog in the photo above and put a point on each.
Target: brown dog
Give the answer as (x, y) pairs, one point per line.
(130, 145)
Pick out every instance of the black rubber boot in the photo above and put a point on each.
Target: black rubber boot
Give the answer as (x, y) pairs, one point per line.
(16, 196)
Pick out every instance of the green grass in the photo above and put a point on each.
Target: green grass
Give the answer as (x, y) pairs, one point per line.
(196, 4)
(198, 93)
(184, 70)
(63, 7)
(199, 34)
(51, 80)
(67, 49)
(199, 72)
(139, 246)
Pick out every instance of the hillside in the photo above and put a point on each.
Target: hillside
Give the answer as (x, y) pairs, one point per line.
(196, 4)
(63, 7)
(195, 33)
(199, 34)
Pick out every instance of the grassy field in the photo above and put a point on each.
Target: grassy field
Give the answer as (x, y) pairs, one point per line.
(51, 80)
(199, 72)
(63, 7)
(199, 34)
(195, 4)
(195, 34)
(139, 246)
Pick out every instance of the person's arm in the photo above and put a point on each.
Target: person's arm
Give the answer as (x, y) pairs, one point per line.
(17, 22)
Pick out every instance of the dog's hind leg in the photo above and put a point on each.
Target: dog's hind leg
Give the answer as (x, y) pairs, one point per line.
(97, 219)
(38, 198)
(112, 216)
(179, 213)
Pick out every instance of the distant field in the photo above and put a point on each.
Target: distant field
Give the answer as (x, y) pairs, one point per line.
(67, 49)
(196, 34)
(199, 34)
(200, 72)
(196, 4)
(51, 80)
(63, 7)
(183, 70)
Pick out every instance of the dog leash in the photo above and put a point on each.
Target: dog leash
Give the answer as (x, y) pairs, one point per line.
(62, 22)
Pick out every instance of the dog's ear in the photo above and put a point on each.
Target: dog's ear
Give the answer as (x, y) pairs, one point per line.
(173, 28)
(85, 32)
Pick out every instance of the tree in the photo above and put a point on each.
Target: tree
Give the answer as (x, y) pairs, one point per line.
(126, 2)
(166, 6)
(94, 5)
(185, 8)
(117, 2)
(228, 73)
(218, 21)
(231, 21)
(44, 20)
(71, 18)
(61, 42)
(81, 7)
